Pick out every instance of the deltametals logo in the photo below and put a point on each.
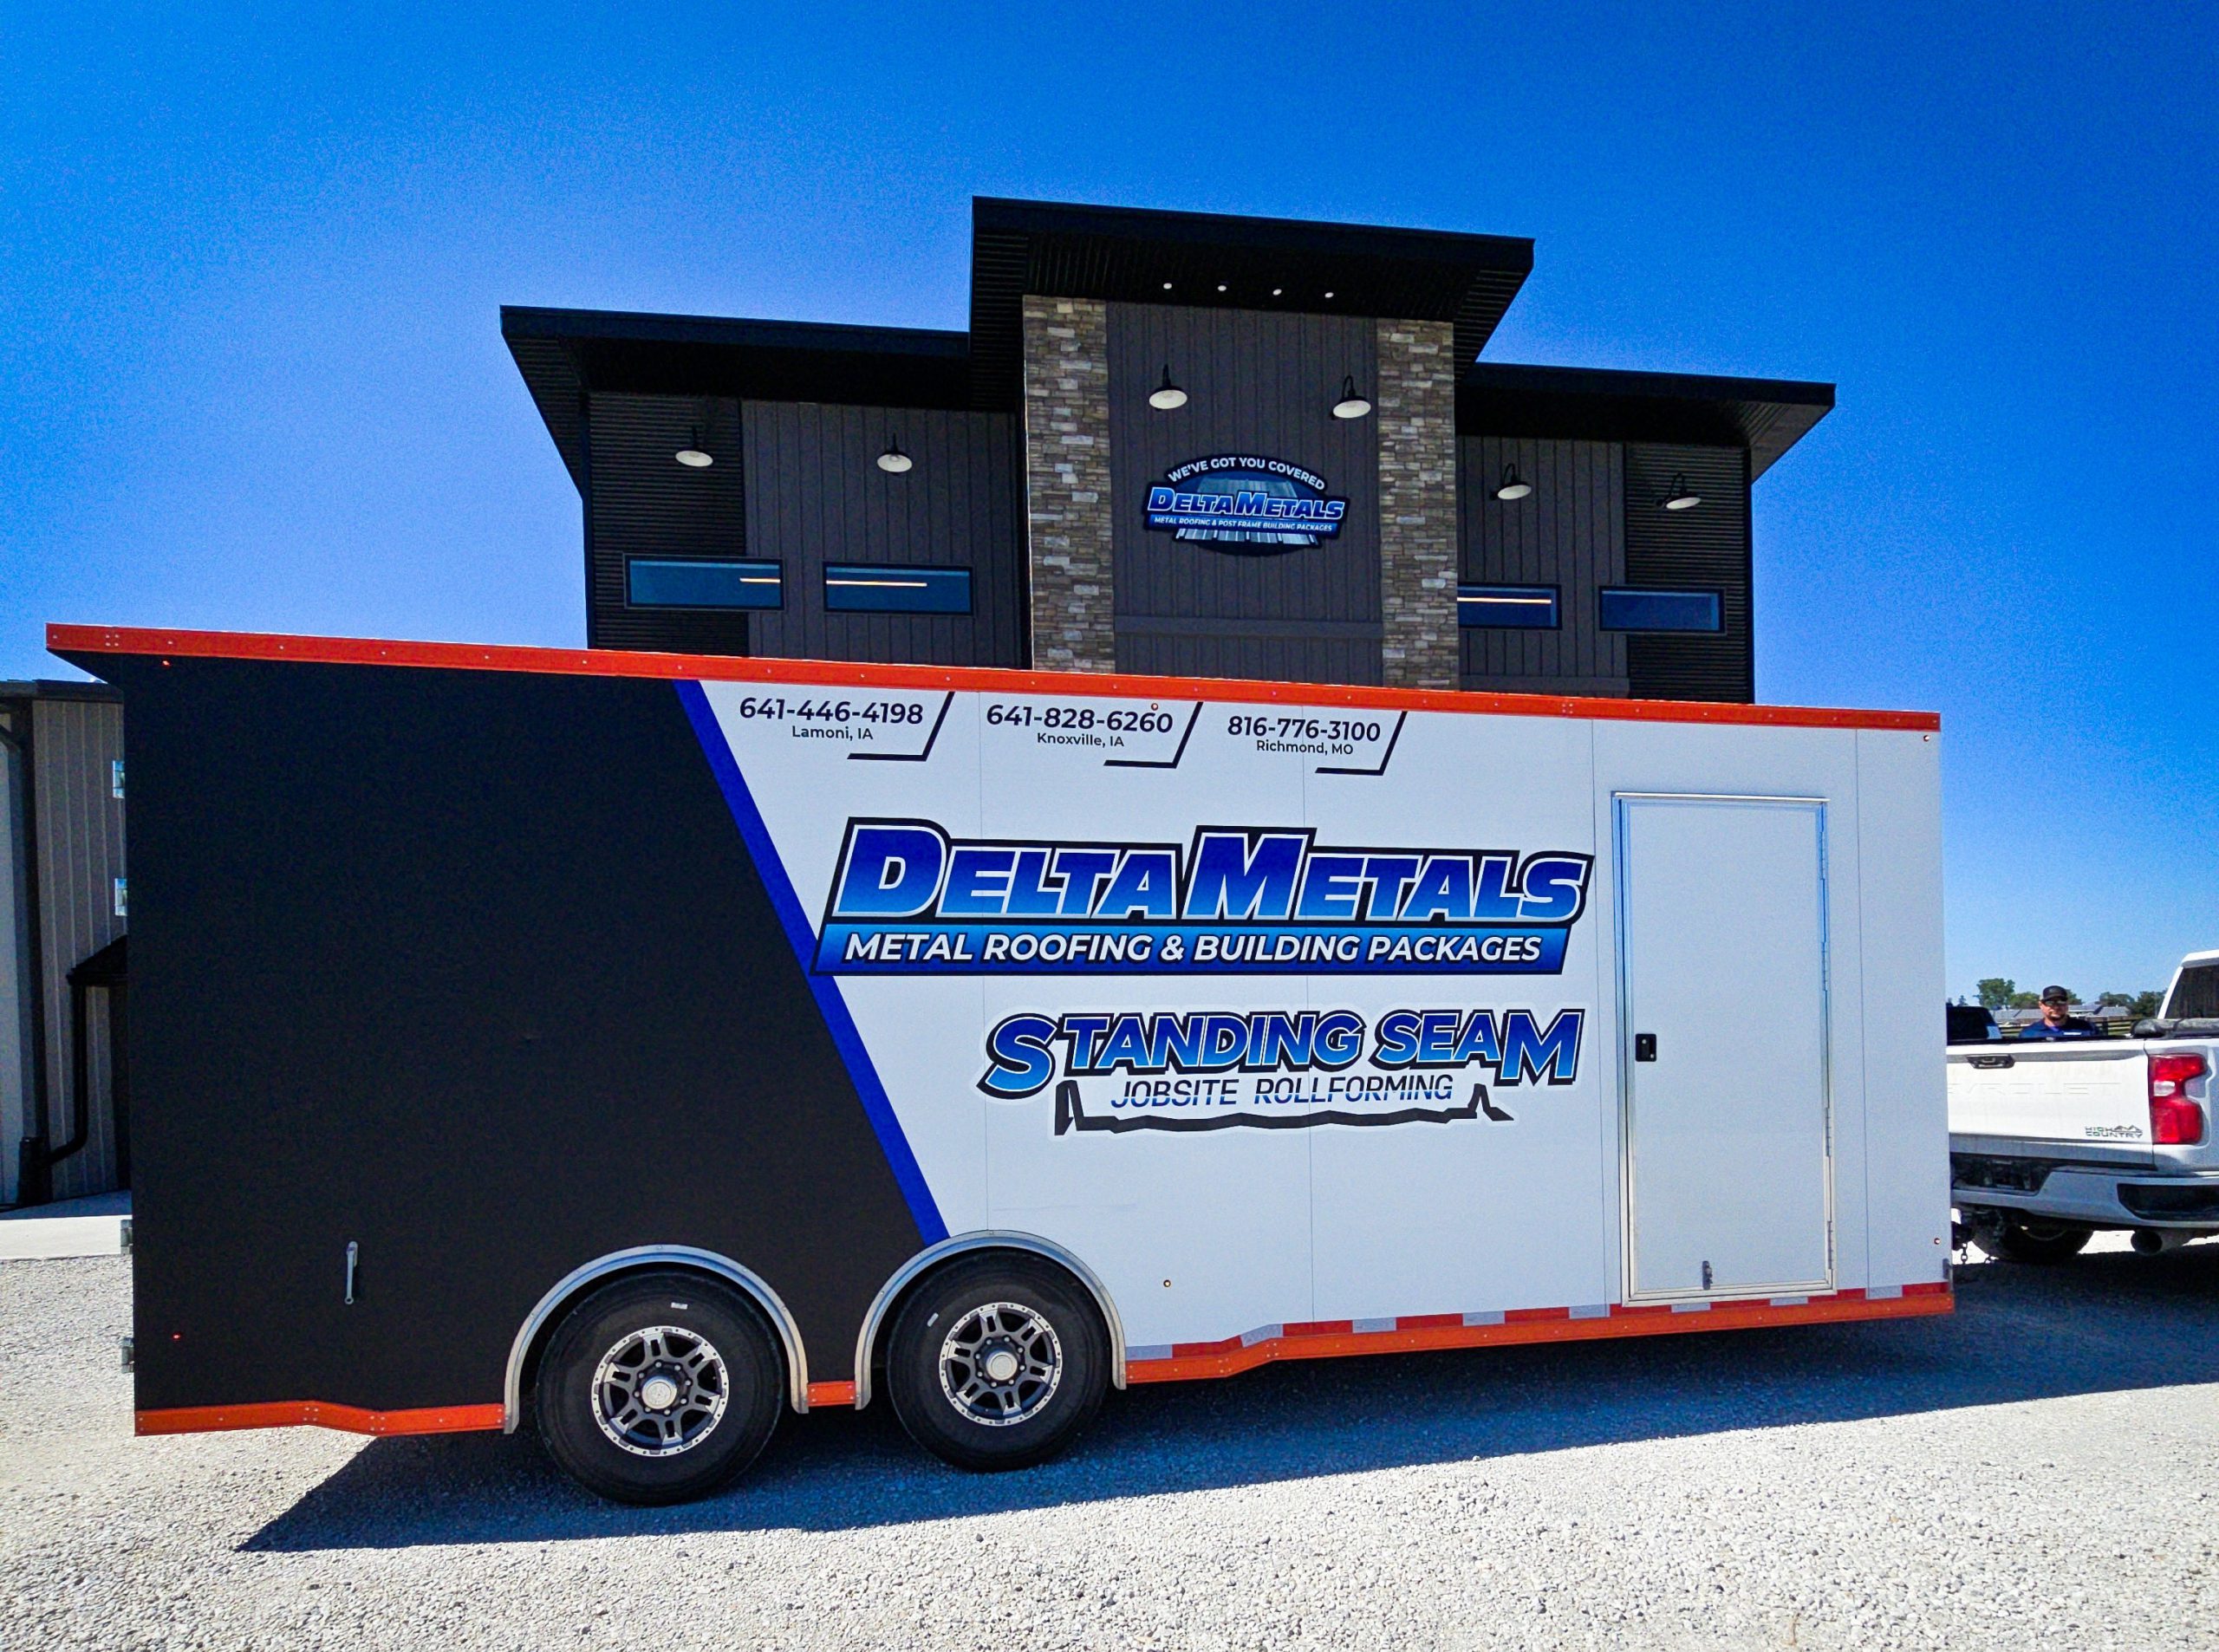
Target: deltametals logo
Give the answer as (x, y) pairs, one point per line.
(1245, 504)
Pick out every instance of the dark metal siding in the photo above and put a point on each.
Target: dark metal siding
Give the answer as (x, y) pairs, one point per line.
(79, 823)
(642, 502)
(1256, 383)
(1569, 532)
(16, 1037)
(1280, 265)
(1297, 654)
(816, 495)
(1705, 549)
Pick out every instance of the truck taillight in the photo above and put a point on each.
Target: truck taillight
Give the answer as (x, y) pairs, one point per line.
(2174, 1119)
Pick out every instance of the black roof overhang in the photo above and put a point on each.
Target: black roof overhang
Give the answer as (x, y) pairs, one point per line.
(563, 354)
(1107, 253)
(57, 688)
(1766, 416)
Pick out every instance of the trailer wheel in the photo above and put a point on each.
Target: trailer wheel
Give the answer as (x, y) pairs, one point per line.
(997, 1362)
(2014, 1239)
(659, 1387)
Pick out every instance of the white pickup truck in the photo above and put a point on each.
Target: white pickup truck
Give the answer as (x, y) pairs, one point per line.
(2051, 1139)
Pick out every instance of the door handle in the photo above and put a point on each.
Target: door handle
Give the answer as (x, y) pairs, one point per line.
(1644, 1046)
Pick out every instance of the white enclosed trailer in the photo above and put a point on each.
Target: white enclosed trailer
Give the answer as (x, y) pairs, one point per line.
(1184, 1025)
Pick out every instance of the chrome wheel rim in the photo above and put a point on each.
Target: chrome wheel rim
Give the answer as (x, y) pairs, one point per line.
(660, 1391)
(1001, 1364)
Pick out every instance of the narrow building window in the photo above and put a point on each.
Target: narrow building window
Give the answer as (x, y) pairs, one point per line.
(1648, 610)
(869, 587)
(650, 585)
(1521, 607)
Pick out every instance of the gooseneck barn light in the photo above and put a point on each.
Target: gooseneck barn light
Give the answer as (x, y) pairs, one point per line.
(1350, 405)
(1680, 496)
(1514, 486)
(693, 456)
(894, 461)
(1167, 395)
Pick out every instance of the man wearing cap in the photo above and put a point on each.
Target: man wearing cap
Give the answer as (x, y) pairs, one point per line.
(2058, 1020)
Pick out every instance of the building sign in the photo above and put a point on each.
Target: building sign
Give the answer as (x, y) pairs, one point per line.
(1244, 505)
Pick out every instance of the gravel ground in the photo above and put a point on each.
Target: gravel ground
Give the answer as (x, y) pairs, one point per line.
(2042, 1468)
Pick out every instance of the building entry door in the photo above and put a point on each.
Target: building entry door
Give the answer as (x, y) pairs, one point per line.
(1723, 996)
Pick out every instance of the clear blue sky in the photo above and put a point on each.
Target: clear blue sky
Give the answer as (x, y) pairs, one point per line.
(250, 263)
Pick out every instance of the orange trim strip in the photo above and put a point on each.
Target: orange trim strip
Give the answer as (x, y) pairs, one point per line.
(322, 1413)
(831, 1393)
(610, 662)
(1546, 1325)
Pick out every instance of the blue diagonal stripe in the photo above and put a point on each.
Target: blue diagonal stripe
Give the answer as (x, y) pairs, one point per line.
(802, 938)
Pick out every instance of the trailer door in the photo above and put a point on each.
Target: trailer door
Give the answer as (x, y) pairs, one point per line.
(1723, 994)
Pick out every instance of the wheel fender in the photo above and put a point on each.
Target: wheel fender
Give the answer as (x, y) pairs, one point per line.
(966, 1244)
(632, 1260)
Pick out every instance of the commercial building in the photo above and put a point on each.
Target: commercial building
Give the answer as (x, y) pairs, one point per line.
(1171, 443)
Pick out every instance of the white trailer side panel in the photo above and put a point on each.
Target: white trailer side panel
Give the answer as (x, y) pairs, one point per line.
(1492, 1215)
(1906, 1118)
(1253, 1197)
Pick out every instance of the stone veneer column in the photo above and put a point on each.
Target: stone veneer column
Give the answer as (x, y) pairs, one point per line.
(1067, 483)
(1416, 411)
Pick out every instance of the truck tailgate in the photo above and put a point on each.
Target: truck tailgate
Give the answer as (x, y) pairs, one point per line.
(2093, 1092)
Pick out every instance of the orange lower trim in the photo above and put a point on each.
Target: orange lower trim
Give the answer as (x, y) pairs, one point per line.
(613, 662)
(321, 1414)
(831, 1393)
(1541, 1325)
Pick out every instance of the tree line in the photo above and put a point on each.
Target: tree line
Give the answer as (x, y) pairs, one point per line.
(1998, 992)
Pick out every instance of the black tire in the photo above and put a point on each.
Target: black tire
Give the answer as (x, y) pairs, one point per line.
(971, 1312)
(2018, 1239)
(599, 1376)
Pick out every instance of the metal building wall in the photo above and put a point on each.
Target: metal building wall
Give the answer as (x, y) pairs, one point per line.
(78, 820)
(15, 989)
(1705, 549)
(1570, 533)
(816, 495)
(1257, 382)
(639, 501)
(798, 483)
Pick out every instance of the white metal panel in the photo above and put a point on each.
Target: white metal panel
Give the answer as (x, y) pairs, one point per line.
(1472, 1217)
(1906, 1181)
(1197, 1236)
(1325, 1221)
(1722, 923)
(1781, 760)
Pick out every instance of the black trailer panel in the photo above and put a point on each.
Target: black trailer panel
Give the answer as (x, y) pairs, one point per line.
(420, 953)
